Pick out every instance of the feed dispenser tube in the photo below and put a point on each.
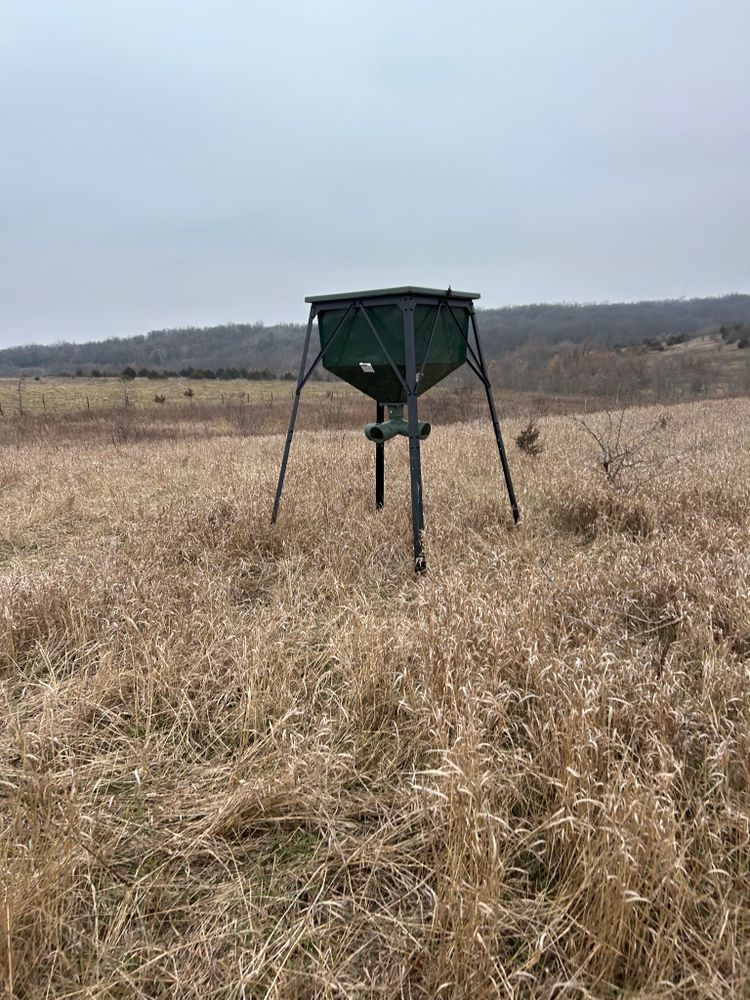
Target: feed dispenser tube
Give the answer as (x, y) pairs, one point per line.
(384, 430)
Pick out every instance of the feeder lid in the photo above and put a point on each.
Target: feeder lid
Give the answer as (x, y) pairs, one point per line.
(375, 293)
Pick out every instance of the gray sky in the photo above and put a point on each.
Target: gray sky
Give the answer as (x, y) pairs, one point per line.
(168, 162)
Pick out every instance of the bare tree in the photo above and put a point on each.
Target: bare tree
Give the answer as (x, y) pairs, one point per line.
(464, 396)
(622, 449)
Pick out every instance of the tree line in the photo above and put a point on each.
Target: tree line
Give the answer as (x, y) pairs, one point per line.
(274, 350)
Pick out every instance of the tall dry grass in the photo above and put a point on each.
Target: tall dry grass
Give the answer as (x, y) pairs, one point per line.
(327, 405)
(244, 761)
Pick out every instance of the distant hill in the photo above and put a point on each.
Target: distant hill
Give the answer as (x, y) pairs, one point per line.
(609, 324)
(240, 345)
(276, 348)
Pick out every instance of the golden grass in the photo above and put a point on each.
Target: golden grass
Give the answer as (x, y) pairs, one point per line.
(56, 395)
(244, 761)
(215, 411)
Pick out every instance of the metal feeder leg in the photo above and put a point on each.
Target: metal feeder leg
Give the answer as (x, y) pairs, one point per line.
(415, 462)
(293, 418)
(495, 423)
(379, 461)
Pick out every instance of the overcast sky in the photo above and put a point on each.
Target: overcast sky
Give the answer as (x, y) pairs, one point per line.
(169, 162)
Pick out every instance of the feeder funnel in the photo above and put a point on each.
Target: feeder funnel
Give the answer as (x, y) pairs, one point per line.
(362, 346)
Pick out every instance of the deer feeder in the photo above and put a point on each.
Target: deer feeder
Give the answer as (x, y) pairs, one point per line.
(393, 344)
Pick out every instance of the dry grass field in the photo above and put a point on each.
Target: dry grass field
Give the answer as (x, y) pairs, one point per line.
(102, 410)
(57, 395)
(241, 761)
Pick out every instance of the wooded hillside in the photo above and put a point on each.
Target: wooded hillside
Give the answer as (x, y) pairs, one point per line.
(256, 346)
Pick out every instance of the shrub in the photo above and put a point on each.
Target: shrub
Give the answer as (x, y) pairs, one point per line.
(619, 449)
(528, 440)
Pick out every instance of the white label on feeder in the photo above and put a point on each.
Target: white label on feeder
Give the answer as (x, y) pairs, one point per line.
(366, 367)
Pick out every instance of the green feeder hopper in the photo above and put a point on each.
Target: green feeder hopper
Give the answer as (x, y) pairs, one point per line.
(393, 344)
